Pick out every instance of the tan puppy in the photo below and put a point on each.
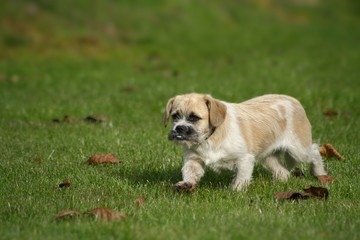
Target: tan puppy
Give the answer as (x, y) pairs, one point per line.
(235, 136)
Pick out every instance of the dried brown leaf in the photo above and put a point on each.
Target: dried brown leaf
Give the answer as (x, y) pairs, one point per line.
(167, 73)
(291, 195)
(102, 158)
(325, 179)
(140, 201)
(106, 214)
(37, 160)
(67, 214)
(90, 41)
(96, 119)
(311, 192)
(65, 184)
(329, 151)
(130, 89)
(56, 120)
(317, 192)
(330, 113)
(70, 119)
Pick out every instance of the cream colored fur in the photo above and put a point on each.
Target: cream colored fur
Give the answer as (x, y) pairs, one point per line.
(236, 136)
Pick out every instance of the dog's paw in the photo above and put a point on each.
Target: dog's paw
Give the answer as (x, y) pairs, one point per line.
(240, 186)
(185, 186)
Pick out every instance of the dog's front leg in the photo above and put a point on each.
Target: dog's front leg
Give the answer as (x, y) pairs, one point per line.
(192, 172)
(244, 170)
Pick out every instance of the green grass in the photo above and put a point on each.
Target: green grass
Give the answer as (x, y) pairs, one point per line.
(124, 60)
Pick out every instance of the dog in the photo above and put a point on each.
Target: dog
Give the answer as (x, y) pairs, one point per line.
(235, 136)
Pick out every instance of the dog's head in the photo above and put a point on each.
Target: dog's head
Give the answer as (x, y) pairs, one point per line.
(194, 117)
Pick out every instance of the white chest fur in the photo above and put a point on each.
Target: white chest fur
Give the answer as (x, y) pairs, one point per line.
(224, 155)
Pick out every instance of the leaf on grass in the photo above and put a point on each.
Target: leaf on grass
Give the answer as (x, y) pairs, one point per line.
(130, 89)
(70, 119)
(317, 192)
(106, 214)
(37, 160)
(65, 184)
(102, 158)
(291, 195)
(66, 119)
(311, 192)
(56, 120)
(329, 151)
(298, 173)
(140, 201)
(96, 119)
(325, 179)
(330, 113)
(68, 214)
(168, 73)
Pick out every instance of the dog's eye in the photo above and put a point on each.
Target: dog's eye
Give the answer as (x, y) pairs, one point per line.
(175, 116)
(193, 118)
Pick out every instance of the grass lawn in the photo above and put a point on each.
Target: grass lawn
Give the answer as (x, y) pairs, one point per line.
(124, 60)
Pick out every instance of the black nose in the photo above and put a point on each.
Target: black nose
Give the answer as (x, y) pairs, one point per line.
(182, 129)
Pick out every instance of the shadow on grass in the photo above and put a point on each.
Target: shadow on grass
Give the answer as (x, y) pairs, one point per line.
(211, 179)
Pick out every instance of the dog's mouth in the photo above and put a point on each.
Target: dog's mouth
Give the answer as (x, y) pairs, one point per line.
(182, 138)
(173, 136)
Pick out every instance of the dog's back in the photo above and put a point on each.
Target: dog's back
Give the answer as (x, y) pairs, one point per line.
(273, 122)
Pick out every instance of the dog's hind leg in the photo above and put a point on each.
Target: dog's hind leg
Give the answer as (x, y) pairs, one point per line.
(310, 155)
(316, 162)
(273, 164)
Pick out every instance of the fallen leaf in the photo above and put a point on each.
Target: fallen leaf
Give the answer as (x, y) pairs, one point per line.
(90, 41)
(140, 201)
(291, 195)
(325, 179)
(67, 119)
(37, 160)
(102, 158)
(70, 119)
(298, 173)
(329, 151)
(167, 73)
(311, 192)
(139, 68)
(330, 113)
(130, 89)
(106, 214)
(56, 120)
(96, 119)
(65, 184)
(67, 214)
(317, 192)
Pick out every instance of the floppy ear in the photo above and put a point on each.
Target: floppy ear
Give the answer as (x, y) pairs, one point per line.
(217, 111)
(168, 110)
